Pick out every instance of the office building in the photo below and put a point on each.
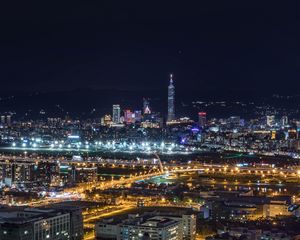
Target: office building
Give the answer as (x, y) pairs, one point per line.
(5, 120)
(146, 106)
(106, 120)
(275, 209)
(76, 219)
(116, 113)
(16, 172)
(270, 120)
(2, 120)
(85, 174)
(148, 226)
(8, 120)
(35, 224)
(153, 120)
(284, 121)
(129, 117)
(138, 116)
(202, 119)
(171, 100)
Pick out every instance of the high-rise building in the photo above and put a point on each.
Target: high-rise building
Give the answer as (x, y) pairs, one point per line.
(284, 121)
(39, 224)
(116, 113)
(171, 100)
(76, 219)
(35, 224)
(8, 120)
(146, 106)
(3, 119)
(129, 116)
(202, 119)
(270, 120)
(138, 116)
(17, 172)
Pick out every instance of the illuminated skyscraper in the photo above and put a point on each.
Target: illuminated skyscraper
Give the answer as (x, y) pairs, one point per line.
(8, 120)
(138, 116)
(270, 120)
(129, 116)
(202, 119)
(284, 121)
(116, 113)
(3, 119)
(171, 100)
(146, 106)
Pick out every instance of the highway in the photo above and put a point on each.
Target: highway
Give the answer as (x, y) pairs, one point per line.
(78, 191)
(82, 187)
(167, 167)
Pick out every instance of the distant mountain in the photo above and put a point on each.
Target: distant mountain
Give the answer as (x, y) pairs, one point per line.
(88, 103)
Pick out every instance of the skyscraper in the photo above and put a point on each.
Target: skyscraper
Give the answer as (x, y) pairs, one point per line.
(8, 120)
(3, 120)
(270, 120)
(284, 121)
(146, 106)
(116, 113)
(202, 119)
(171, 100)
(129, 116)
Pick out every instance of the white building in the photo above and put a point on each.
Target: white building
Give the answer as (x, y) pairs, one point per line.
(116, 113)
(270, 120)
(148, 227)
(56, 227)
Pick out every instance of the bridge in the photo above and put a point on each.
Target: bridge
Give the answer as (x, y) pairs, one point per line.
(154, 163)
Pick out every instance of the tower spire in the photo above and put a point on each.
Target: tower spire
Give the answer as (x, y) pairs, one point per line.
(171, 100)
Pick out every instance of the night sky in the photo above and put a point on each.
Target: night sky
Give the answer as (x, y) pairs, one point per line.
(216, 46)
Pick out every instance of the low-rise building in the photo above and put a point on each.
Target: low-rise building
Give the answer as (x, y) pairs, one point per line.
(275, 209)
(148, 226)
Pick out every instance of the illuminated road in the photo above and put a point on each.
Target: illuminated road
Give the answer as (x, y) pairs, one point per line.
(107, 212)
(78, 191)
(81, 188)
(171, 167)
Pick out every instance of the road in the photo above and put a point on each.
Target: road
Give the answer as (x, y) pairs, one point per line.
(108, 212)
(81, 188)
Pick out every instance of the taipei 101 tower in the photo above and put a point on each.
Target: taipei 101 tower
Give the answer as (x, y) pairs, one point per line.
(171, 100)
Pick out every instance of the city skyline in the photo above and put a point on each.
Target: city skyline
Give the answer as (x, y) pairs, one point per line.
(144, 121)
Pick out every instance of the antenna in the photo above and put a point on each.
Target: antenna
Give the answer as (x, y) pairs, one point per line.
(171, 78)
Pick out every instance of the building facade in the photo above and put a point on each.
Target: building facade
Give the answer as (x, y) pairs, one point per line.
(116, 113)
(42, 224)
(171, 100)
(156, 227)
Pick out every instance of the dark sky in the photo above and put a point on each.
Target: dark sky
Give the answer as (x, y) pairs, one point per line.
(220, 46)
